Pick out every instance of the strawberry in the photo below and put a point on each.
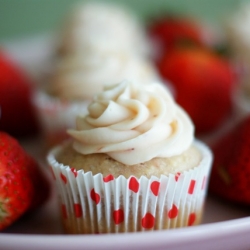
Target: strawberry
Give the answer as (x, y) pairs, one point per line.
(171, 30)
(17, 113)
(167, 32)
(23, 186)
(230, 176)
(203, 83)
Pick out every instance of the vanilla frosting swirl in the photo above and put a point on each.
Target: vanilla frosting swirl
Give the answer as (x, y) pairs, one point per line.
(81, 76)
(133, 124)
(103, 27)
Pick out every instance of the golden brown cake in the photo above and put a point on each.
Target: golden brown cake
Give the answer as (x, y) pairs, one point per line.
(104, 164)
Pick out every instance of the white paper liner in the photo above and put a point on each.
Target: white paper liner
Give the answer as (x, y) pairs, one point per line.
(57, 116)
(92, 205)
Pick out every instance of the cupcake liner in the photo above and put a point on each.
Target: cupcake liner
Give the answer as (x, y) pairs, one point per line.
(56, 116)
(104, 204)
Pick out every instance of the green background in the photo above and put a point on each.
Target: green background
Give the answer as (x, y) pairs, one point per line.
(22, 18)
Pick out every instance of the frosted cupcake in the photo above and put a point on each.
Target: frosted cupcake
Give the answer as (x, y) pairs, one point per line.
(76, 79)
(132, 164)
(101, 44)
(102, 27)
(238, 35)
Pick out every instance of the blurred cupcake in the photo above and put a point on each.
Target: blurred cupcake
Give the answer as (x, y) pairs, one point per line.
(238, 33)
(76, 79)
(238, 36)
(101, 44)
(133, 164)
(81, 76)
(102, 27)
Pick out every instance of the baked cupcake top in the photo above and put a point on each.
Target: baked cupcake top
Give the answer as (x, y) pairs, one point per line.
(102, 27)
(81, 76)
(133, 123)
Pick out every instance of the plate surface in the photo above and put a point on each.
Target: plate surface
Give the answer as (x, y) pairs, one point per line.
(224, 226)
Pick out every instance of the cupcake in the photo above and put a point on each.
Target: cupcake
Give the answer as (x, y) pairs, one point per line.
(238, 36)
(97, 26)
(101, 44)
(81, 76)
(76, 79)
(132, 164)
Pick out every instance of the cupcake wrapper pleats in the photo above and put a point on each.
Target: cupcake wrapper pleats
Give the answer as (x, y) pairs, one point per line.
(104, 204)
(56, 116)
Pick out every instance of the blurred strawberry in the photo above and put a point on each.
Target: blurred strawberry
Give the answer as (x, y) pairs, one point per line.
(230, 176)
(203, 83)
(170, 31)
(23, 185)
(17, 113)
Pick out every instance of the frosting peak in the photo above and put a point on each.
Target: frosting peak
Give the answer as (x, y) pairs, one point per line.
(81, 76)
(103, 27)
(133, 124)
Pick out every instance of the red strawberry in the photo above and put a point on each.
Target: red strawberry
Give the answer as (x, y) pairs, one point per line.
(230, 176)
(23, 186)
(167, 32)
(203, 83)
(17, 112)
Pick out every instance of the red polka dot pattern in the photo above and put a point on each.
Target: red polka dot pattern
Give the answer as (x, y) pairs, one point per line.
(73, 170)
(118, 216)
(148, 221)
(155, 195)
(78, 210)
(108, 178)
(177, 175)
(63, 177)
(173, 212)
(155, 186)
(95, 196)
(191, 219)
(191, 186)
(134, 185)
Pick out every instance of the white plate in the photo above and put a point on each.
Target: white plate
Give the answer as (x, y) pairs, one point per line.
(224, 226)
